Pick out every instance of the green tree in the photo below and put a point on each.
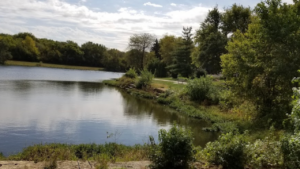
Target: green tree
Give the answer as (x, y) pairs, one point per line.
(260, 64)
(236, 18)
(211, 43)
(6, 43)
(93, 53)
(168, 44)
(182, 55)
(133, 59)
(141, 42)
(114, 60)
(71, 53)
(155, 48)
(49, 51)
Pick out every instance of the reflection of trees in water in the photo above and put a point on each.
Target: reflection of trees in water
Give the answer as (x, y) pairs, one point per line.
(139, 108)
(90, 87)
(86, 87)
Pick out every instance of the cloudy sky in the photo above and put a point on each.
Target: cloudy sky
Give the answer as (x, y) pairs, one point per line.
(109, 22)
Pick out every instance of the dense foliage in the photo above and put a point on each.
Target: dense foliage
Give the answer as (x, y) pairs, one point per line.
(175, 149)
(201, 89)
(260, 64)
(131, 73)
(145, 79)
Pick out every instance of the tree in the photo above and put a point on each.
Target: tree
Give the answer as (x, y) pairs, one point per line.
(260, 64)
(168, 44)
(93, 53)
(182, 55)
(6, 42)
(236, 18)
(155, 48)
(141, 42)
(133, 59)
(71, 53)
(49, 51)
(114, 60)
(212, 35)
(211, 43)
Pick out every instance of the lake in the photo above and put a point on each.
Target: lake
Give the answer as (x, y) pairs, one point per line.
(46, 105)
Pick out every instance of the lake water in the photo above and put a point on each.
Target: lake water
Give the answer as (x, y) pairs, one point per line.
(46, 105)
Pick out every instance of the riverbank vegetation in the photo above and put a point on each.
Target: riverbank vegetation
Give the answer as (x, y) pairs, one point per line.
(41, 64)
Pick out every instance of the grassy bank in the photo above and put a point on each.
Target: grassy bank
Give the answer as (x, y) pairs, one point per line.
(40, 64)
(111, 152)
(172, 94)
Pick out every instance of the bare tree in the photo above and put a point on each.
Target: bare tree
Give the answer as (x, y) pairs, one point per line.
(141, 42)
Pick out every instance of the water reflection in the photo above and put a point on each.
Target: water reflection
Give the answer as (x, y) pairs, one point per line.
(40, 111)
(163, 116)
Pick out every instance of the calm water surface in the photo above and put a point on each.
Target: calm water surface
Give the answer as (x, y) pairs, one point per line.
(43, 105)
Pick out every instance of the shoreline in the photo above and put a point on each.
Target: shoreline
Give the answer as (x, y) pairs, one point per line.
(161, 95)
(49, 65)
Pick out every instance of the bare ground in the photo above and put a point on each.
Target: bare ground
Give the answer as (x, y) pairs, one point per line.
(85, 165)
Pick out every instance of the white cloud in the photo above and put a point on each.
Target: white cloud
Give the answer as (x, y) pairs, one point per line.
(151, 4)
(173, 4)
(59, 20)
(83, 0)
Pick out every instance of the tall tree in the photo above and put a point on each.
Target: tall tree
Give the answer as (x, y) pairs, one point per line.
(141, 42)
(260, 64)
(211, 43)
(155, 48)
(168, 44)
(72, 54)
(93, 53)
(134, 59)
(236, 18)
(6, 43)
(182, 55)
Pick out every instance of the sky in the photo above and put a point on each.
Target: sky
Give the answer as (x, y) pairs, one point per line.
(109, 22)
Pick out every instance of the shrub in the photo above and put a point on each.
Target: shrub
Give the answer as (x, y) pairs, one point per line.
(175, 149)
(201, 89)
(157, 67)
(145, 79)
(131, 73)
(125, 82)
(174, 75)
(1, 156)
(265, 153)
(227, 151)
(290, 146)
(200, 73)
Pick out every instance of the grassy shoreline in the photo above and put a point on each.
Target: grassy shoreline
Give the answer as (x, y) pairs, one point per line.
(48, 65)
(161, 93)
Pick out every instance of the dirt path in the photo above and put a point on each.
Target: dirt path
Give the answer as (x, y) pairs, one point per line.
(71, 165)
(174, 81)
(86, 165)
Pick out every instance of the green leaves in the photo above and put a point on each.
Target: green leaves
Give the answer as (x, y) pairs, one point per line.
(175, 149)
(260, 63)
(202, 89)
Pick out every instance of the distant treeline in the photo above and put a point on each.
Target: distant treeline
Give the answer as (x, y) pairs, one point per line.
(26, 47)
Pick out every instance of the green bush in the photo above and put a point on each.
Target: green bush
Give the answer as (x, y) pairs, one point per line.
(158, 68)
(290, 146)
(201, 89)
(131, 73)
(125, 82)
(227, 151)
(145, 79)
(1, 156)
(175, 149)
(265, 153)
(200, 73)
